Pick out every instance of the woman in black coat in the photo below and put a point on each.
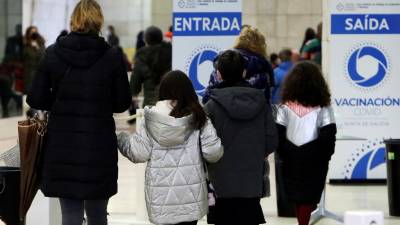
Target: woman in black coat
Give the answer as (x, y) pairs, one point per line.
(307, 135)
(82, 81)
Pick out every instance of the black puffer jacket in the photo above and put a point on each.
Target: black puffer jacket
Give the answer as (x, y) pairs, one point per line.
(82, 81)
(151, 63)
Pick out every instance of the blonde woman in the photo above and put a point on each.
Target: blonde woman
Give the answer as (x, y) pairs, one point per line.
(259, 74)
(82, 81)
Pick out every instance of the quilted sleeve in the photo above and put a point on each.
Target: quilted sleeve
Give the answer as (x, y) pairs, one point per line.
(211, 144)
(281, 116)
(136, 147)
(326, 117)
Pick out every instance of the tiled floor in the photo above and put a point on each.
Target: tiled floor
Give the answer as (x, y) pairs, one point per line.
(123, 206)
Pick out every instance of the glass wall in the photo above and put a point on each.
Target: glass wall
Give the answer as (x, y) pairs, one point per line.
(11, 58)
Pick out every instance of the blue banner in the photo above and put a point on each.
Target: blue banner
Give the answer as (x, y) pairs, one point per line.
(207, 24)
(365, 24)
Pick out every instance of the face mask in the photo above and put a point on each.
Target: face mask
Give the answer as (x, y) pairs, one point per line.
(34, 36)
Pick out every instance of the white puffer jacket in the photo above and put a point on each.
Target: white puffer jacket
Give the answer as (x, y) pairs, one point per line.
(176, 190)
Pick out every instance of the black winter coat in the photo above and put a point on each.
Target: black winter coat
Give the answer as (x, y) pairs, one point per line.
(304, 168)
(244, 122)
(82, 81)
(150, 64)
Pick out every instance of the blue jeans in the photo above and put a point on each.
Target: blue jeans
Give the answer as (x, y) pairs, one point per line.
(73, 211)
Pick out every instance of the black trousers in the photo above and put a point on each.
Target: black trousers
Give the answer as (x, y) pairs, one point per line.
(238, 211)
(73, 211)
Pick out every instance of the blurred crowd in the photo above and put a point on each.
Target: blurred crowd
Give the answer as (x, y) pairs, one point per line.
(23, 52)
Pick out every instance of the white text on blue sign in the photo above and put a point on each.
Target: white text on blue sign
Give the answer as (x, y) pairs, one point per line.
(365, 24)
(207, 24)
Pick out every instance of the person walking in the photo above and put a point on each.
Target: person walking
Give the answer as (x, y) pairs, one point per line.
(140, 40)
(307, 132)
(150, 64)
(308, 36)
(312, 50)
(170, 139)
(33, 51)
(112, 37)
(280, 73)
(82, 81)
(252, 46)
(14, 46)
(244, 122)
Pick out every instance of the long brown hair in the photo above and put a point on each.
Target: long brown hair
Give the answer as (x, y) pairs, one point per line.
(87, 17)
(30, 36)
(176, 86)
(306, 85)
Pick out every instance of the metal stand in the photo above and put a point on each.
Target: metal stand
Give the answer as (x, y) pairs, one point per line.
(321, 212)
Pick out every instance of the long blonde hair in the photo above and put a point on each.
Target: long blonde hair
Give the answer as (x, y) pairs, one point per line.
(87, 17)
(252, 39)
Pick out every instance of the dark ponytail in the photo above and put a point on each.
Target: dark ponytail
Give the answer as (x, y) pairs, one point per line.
(176, 86)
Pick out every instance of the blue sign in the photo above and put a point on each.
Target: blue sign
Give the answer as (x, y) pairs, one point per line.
(365, 24)
(201, 57)
(359, 79)
(207, 24)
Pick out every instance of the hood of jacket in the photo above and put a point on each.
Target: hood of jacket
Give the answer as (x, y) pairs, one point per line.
(242, 103)
(166, 130)
(81, 50)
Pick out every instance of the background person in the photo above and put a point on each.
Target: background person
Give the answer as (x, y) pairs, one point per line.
(295, 56)
(308, 36)
(280, 73)
(274, 59)
(313, 48)
(140, 40)
(307, 131)
(82, 81)
(14, 46)
(151, 63)
(6, 91)
(11, 71)
(169, 34)
(252, 46)
(172, 129)
(244, 122)
(112, 37)
(33, 51)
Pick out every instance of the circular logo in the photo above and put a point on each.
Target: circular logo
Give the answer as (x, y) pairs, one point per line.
(367, 161)
(181, 3)
(367, 66)
(340, 7)
(201, 56)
